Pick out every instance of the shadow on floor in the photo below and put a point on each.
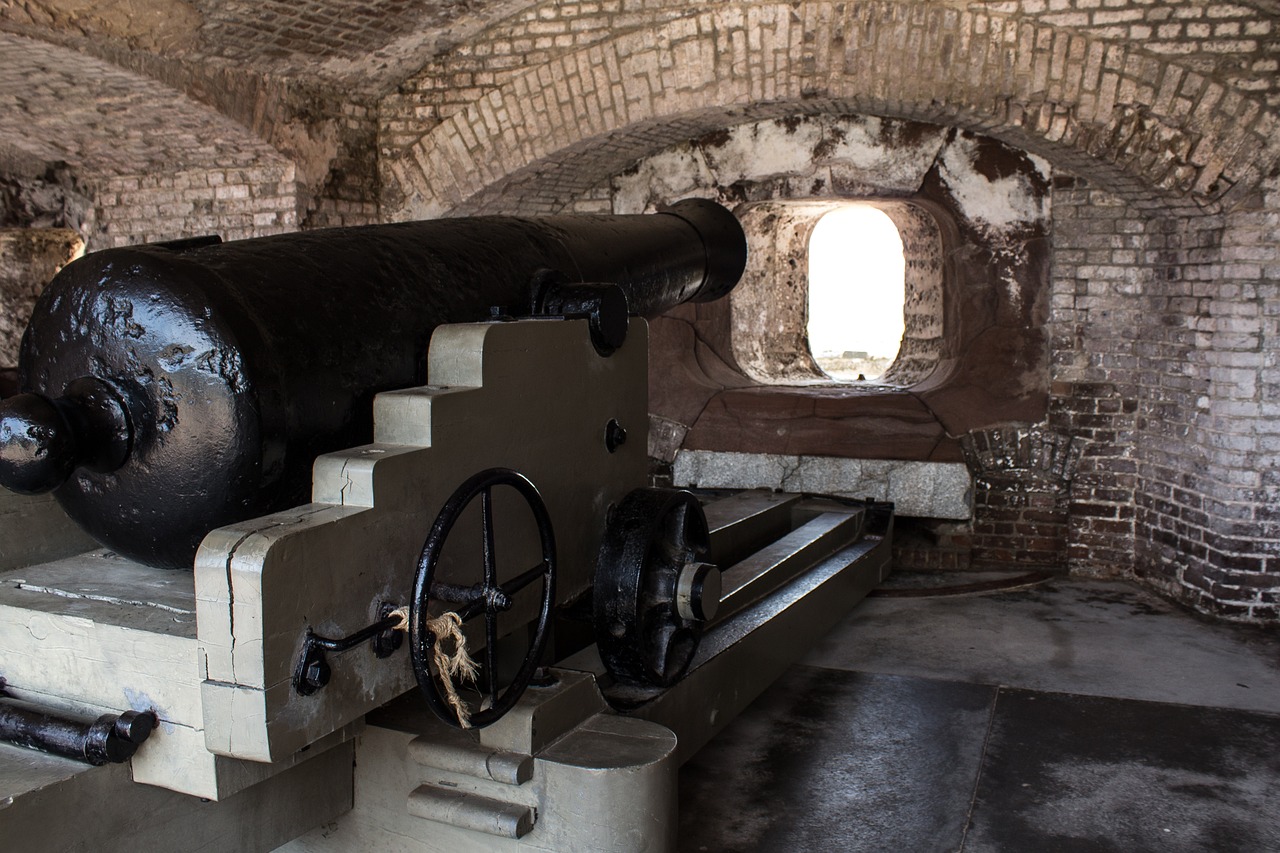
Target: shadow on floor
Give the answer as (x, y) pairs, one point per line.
(1017, 737)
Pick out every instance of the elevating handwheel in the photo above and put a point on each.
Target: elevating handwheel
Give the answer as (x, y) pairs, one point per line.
(487, 598)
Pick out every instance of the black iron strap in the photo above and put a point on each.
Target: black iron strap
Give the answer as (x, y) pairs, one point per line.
(347, 643)
(313, 670)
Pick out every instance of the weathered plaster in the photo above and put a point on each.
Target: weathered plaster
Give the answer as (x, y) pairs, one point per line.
(974, 223)
(996, 188)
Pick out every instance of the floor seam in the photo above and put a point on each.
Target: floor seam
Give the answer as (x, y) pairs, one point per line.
(977, 777)
(1082, 692)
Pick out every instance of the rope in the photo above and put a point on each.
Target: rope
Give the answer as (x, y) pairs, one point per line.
(459, 663)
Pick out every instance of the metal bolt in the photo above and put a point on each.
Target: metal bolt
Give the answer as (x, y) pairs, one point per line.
(135, 726)
(543, 677)
(614, 435)
(317, 673)
(698, 590)
(386, 643)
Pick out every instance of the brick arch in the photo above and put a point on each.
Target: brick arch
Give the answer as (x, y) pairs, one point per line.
(151, 162)
(1154, 131)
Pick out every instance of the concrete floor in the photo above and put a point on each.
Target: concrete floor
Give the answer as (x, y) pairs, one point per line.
(1067, 716)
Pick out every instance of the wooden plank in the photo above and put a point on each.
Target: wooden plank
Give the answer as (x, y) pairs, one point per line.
(107, 589)
(69, 661)
(186, 765)
(69, 806)
(94, 634)
(26, 771)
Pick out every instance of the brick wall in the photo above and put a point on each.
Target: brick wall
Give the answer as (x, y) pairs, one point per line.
(1233, 42)
(1165, 353)
(29, 258)
(1208, 513)
(1163, 340)
(349, 194)
(233, 203)
(1101, 311)
(1022, 478)
(1158, 456)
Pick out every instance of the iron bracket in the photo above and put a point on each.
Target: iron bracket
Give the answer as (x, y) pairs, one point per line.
(313, 671)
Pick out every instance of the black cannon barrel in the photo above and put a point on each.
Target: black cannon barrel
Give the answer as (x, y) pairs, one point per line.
(174, 388)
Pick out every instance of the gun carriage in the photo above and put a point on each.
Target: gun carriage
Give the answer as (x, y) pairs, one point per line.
(318, 466)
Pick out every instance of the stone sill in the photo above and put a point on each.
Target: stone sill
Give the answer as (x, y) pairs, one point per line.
(918, 489)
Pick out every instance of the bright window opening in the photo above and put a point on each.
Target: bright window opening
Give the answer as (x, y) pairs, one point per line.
(856, 293)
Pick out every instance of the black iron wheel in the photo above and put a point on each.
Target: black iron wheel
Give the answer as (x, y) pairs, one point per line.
(487, 598)
(652, 537)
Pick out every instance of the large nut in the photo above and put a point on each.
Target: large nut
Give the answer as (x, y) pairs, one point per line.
(698, 592)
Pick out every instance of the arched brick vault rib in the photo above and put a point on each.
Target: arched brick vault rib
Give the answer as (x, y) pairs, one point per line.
(102, 120)
(1151, 129)
(301, 117)
(153, 163)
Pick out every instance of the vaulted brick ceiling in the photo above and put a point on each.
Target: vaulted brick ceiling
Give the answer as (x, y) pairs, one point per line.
(372, 44)
(287, 71)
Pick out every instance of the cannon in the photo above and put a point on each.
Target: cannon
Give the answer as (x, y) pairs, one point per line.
(174, 388)
(403, 461)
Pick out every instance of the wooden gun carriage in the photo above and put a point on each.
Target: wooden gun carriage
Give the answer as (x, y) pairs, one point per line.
(333, 441)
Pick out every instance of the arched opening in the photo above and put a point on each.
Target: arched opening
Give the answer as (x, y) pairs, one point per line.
(780, 329)
(856, 293)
